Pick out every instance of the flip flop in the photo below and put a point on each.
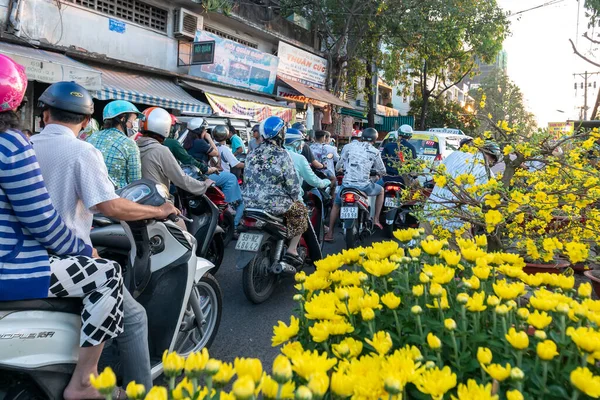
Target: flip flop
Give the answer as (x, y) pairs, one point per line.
(378, 225)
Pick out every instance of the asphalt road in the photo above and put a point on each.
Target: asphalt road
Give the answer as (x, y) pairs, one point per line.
(246, 329)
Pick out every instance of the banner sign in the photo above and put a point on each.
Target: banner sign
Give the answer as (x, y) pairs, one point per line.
(559, 129)
(301, 66)
(294, 95)
(237, 65)
(226, 106)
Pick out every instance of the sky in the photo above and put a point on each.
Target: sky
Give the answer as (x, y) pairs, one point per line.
(541, 61)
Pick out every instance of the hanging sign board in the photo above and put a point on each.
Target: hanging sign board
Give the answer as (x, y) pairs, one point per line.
(203, 52)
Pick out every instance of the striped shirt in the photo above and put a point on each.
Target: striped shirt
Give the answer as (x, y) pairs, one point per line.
(29, 225)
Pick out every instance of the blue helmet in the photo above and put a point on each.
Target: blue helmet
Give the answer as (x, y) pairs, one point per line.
(294, 140)
(118, 107)
(272, 127)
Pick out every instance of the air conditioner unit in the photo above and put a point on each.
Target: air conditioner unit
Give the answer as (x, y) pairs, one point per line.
(186, 24)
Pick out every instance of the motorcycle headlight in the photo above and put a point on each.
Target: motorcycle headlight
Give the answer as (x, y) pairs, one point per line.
(163, 191)
(136, 193)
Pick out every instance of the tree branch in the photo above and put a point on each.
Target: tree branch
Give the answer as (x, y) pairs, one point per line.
(582, 56)
(585, 35)
(454, 84)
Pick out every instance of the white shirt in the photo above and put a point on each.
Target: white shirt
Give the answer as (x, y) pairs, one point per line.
(228, 160)
(75, 176)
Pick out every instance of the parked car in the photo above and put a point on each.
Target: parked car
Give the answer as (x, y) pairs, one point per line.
(434, 144)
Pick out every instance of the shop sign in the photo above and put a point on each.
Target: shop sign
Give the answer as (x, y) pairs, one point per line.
(301, 66)
(237, 65)
(296, 96)
(203, 52)
(559, 129)
(228, 106)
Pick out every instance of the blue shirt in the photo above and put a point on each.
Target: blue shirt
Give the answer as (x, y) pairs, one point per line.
(199, 150)
(390, 155)
(236, 143)
(30, 226)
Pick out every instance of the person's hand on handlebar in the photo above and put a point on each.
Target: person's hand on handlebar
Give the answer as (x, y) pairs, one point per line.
(209, 182)
(212, 170)
(165, 210)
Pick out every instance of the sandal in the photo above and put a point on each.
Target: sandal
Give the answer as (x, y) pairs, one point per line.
(378, 225)
(293, 259)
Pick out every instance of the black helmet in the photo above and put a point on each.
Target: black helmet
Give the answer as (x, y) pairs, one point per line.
(370, 135)
(300, 126)
(220, 133)
(490, 147)
(67, 96)
(256, 128)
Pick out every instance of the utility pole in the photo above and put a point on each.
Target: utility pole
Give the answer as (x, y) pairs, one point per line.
(585, 75)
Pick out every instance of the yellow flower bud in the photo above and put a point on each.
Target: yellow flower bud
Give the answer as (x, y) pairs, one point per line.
(541, 335)
(523, 313)
(212, 366)
(584, 290)
(135, 391)
(300, 277)
(318, 383)
(105, 382)
(424, 278)
(303, 393)
(418, 290)
(436, 290)
(392, 385)
(517, 374)
(157, 393)
(450, 324)
(367, 314)
(563, 308)
(462, 298)
(390, 300)
(484, 355)
(514, 395)
(433, 341)
(493, 301)
(342, 294)
(243, 387)
(282, 369)
(502, 309)
(196, 362)
(546, 350)
(297, 297)
(416, 310)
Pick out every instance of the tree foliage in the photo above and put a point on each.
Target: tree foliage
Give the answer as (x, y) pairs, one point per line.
(502, 98)
(446, 114)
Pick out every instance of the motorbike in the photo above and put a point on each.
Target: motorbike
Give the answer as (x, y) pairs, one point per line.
(183, 301)
(261, 248)
(397, 214)
(357, 213)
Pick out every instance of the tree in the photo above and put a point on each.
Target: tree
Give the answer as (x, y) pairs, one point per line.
(502, 98)
(437, 42)
(446, 114)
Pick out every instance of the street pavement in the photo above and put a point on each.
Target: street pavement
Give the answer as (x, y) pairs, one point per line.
(246, 329)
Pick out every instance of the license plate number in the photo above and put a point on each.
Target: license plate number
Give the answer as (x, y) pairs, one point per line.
(349, 213)
(249, 242)
(390, 202)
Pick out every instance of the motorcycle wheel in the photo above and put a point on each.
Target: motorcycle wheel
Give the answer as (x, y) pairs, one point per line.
(352, 236)
(228, 227)
(258, 281)
(216, 252)
(191, 337)
(388, 231)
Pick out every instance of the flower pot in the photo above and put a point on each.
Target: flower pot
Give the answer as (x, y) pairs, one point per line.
(580, 267)
(554, 268)
(594, 276)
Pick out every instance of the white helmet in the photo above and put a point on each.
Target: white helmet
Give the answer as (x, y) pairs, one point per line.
(158, 121)
(197, 123)
(406, 131)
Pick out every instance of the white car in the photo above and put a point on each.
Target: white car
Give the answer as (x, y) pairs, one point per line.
(432, 145)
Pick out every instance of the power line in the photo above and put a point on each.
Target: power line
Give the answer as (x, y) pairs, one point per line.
(547, 4)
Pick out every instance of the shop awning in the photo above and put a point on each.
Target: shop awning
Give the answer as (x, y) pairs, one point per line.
(315, 93)
(352, 113)
(148, 89)
(49, 67)
(230, 103)
(233, 94)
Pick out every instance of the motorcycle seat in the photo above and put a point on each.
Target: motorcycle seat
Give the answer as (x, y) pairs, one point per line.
(69, 305)
(102, 220)
(255, 212)
(354, 190)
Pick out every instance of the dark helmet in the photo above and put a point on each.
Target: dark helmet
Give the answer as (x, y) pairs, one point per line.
(256, 128)
(220, 133)
(67, 96)
(490, 147)
(465, 142)
(370, 135)
(300, 126)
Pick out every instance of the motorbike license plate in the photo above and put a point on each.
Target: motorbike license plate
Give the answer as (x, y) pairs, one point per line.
(390, 202)
(249, 241)
(349, 213)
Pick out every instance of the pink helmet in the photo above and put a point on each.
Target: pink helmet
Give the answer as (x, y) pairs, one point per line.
(13, 83)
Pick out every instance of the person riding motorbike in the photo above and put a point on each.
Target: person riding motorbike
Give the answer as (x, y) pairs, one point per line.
(256, 139)
(395, 153)
(158, 163)
(357, 160)
(306, 150)
(179, 152)
(272, 184)
(201, 146)
(456, 164)
(121, 155)
(79, 186)
(322, 151)
(228, 160)
(293, 144)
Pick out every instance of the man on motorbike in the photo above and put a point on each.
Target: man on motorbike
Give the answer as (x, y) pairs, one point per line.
(459, 163)
(179, 152)
(293, 144)
(272, 184)
(201, 146)
(121, 155)
(256, 139)
(158, 163)
(228, 159)
(325, 152)
(79, 186)
(395, 153)
(357, 160)
(306, 150)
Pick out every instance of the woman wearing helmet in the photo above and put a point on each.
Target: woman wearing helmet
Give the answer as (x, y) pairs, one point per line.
(256, 139)
(158, 163)
(293, 144)
(121, 155)
(273, 186)
(395, 153)
(33, 229)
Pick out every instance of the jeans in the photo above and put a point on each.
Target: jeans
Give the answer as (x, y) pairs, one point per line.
(228, 183)
(129, 353)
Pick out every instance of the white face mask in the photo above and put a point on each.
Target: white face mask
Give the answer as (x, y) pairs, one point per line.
(134, 129)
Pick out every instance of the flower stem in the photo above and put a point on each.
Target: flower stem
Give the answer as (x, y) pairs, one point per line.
(398, 330)
(544, 375)
(420, 327)
(439, 358)
(519, 358)
(171, 383)
(279, 389)
(575, 395)
(455, 348)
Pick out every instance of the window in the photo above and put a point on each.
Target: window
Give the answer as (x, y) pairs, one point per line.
(130, 10)
(230, 37)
